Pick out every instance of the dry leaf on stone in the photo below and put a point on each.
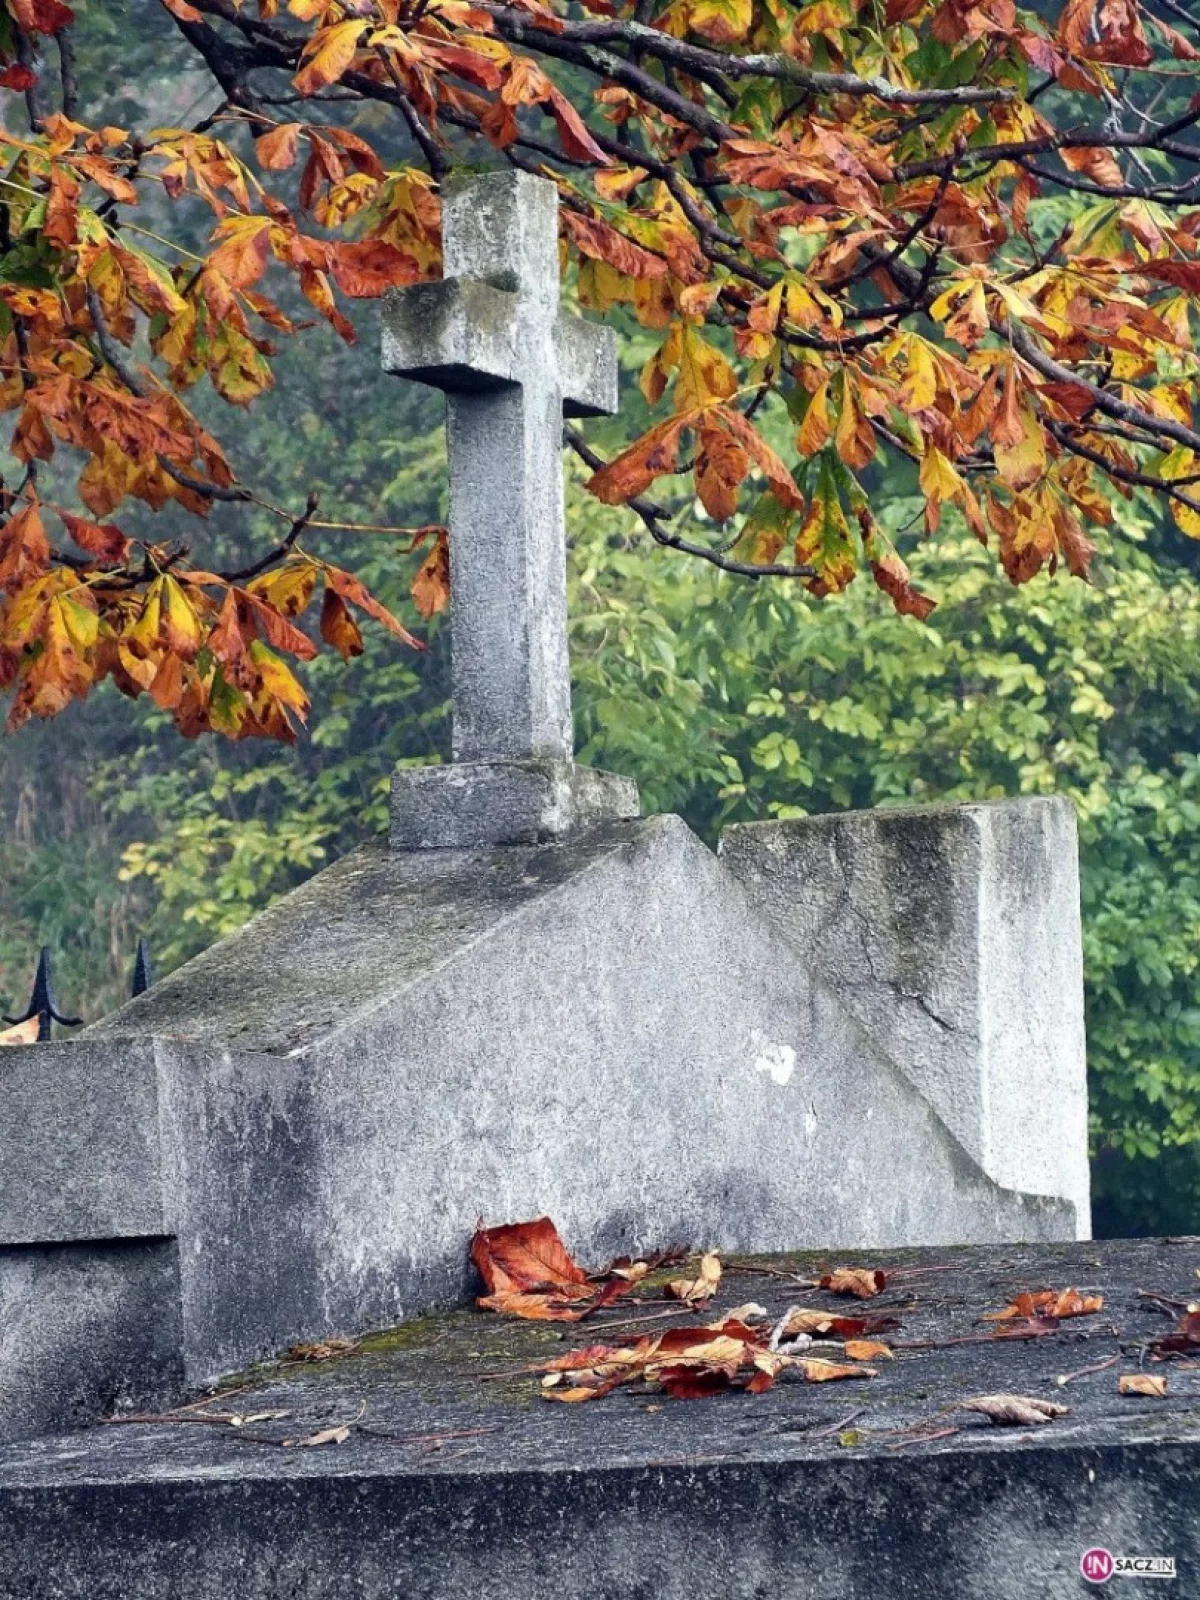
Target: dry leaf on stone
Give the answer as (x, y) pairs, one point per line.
(828, 1323)
(337, 1435)
(1048, 1303)
(694, 1291)
(1142, 1383)
(817, 1371)
(868, 1350)
(750, 1312)
(1014, 1410)
(322, 1350)
(528, 1272)
(22, 1033)
(861, 1282)
(1184, 1341)
(687, 1363)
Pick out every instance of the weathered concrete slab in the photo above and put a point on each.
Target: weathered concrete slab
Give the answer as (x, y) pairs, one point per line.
(80, 1146)
(953, 934)
(85, 1328)
(456, 1482)
(608, 1030)
(473, 804)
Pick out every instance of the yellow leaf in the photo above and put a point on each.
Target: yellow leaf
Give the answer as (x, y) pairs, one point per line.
(327, 55)
(938, 477)
(704, 374)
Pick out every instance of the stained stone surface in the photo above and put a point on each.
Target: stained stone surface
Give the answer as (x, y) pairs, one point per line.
(952, 933)
(458, 1480)
(318, 1109)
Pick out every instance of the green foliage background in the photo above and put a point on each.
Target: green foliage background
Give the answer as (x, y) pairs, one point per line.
(727, 701)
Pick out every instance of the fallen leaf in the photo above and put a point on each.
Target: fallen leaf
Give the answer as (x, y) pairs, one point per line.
(1185, 1340)
(750, 1312)
(816, 1370)
(694, 1291)
(22, 1033)
(861, 1282)
(1143, 1383)
(337, 1435)
(869, 1350)
(528, 1272)
(1014, 1410)
(1049, 1303)
(829, 1323)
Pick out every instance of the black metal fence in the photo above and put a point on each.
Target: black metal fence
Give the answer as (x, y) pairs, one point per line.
(43, 1003)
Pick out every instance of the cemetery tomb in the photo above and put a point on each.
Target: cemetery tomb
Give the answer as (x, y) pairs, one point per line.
(863, 1031)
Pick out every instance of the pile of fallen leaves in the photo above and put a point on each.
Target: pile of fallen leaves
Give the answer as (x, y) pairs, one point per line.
(528, 1272)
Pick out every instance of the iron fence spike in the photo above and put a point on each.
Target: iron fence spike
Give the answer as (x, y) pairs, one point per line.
(143, 969)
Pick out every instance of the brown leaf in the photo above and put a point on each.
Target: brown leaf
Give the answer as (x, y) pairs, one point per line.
(105, 540)
(1014, 1410)
(831, 1325)
(1142, 1383)
(869, 1350)
(337, 1435)
(526, 1256)
(861, 1282)
(431, 586)
(21, 1033)
(818, 1371)
(339, 628)
(1048, 1303)
(695, 1291)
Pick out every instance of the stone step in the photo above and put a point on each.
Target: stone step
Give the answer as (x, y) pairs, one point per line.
(457, 1479)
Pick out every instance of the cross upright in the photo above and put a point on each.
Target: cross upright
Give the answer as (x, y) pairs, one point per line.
(491, 335)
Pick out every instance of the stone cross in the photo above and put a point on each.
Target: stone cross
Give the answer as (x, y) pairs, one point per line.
(490, 334)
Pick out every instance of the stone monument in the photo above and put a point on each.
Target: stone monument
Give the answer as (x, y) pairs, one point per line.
(864, 1030)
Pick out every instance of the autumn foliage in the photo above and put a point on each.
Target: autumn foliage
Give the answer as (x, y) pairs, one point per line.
(841, 221)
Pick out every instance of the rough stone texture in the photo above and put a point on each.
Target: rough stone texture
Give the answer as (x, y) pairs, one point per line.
(84, 1329)
(79, 1143)
(607, 1030)
(472, 804)
(491, 336)
(952, 933)
(454, 1485)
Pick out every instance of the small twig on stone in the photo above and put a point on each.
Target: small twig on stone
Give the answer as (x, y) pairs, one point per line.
(836, 1427)
(1064, 1378)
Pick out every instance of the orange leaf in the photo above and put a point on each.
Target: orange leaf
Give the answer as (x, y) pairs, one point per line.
(431, 586)
(24, 548)
(276, 151)
(355, 592)
(861, 1282)
(327, 55)
(105, 541)
(523, 1256)
(1137, 1383)
(338, 627)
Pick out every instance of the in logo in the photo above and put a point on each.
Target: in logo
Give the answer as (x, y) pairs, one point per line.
(1097, 1565)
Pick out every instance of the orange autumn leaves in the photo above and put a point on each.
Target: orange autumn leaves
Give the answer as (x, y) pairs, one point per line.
(862, 250)
(528, 1272)
(210, 651)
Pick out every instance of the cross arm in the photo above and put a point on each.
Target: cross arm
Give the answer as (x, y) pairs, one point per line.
(587, 362)
(458, 334)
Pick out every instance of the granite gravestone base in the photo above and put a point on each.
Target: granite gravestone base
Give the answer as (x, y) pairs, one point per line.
(453, 1482)
(618, 1030)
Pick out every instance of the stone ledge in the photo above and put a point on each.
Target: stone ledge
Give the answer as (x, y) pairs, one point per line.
(474, 804)
(451, 1487)
(80, 1143)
